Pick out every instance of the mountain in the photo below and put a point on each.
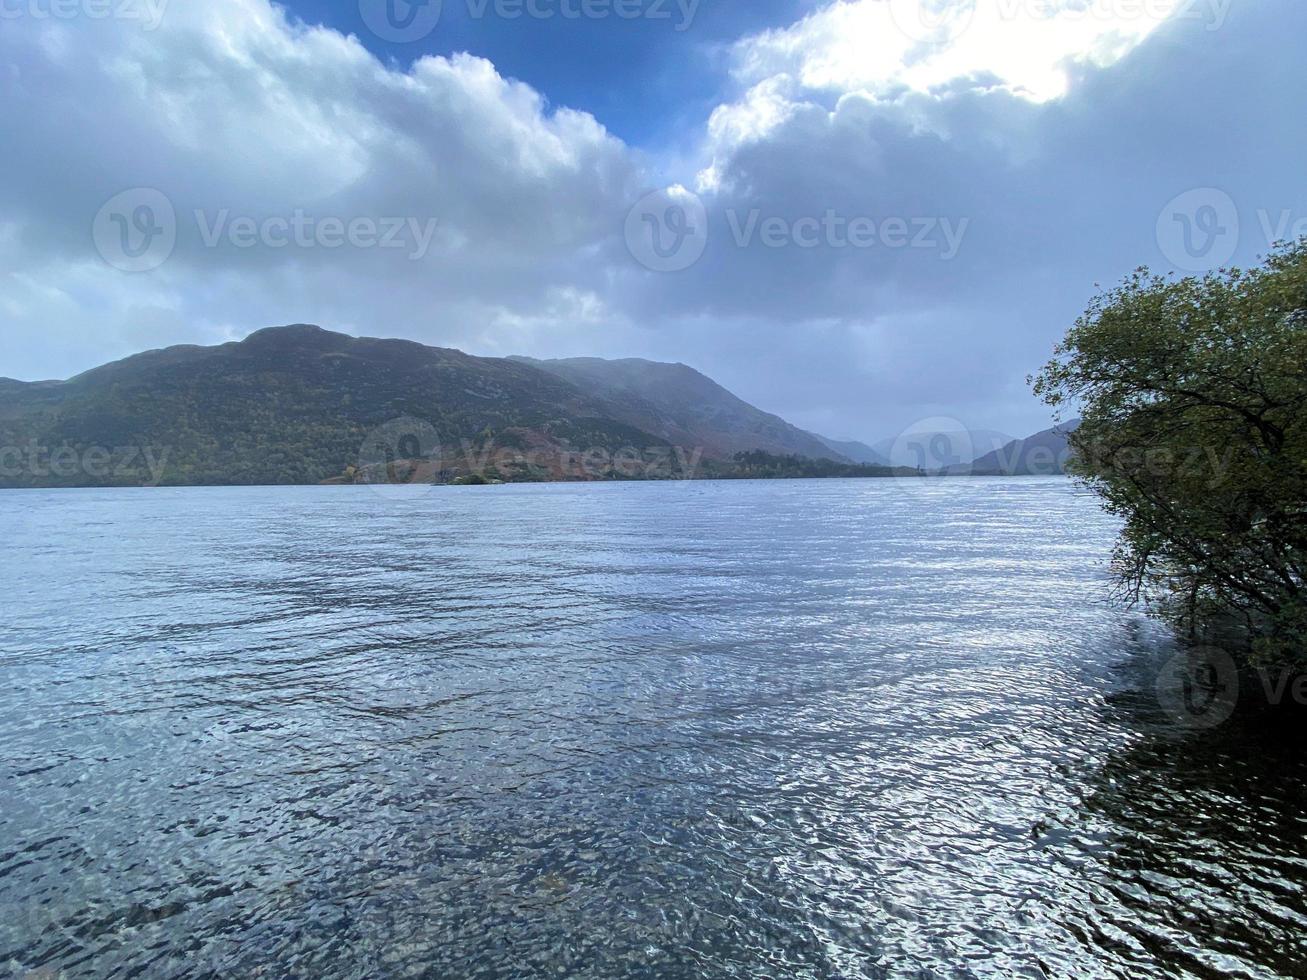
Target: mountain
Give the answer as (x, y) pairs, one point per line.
(303, 405)
(292, 405)
(678, 404)
(858, 452)
(937, 450)
(1043, 454)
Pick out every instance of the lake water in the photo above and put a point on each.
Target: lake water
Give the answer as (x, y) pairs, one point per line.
(817, 729)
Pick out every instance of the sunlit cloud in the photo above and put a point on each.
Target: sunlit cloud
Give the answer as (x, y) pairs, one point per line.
(1030, 47)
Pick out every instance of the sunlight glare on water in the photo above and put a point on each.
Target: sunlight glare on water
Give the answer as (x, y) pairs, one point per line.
(843, 728)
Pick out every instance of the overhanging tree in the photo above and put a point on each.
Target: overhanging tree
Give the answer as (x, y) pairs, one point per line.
(1192, 394)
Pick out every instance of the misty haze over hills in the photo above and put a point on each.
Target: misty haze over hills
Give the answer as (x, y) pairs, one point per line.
(1062, 160)
(300, 404)
(1042, 454)
(677, 403)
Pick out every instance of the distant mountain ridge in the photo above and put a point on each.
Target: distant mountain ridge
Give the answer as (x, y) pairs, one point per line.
(301, 405)
(1043, 454)
(858, 452)
(685, 407)
(292, 405)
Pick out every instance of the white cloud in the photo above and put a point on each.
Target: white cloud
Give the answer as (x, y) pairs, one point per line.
(1028, 46)
(237, 113)
(1057, 138)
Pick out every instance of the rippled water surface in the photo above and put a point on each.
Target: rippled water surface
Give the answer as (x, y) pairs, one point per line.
(815, 729)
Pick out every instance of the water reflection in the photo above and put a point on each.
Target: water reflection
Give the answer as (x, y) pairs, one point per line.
(865, 728)
(1206, 844)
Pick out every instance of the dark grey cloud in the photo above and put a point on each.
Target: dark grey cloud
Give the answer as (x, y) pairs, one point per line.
(1057, 195)
(233, 111)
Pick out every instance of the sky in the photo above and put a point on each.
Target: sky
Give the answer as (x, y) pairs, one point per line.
(868, 217)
